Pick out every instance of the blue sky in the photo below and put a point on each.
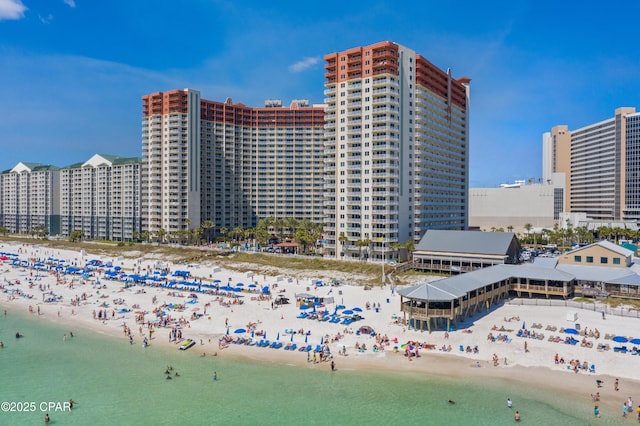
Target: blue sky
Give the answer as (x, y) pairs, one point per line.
(72, 72)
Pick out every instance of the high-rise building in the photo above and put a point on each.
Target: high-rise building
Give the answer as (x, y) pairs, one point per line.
(227, 163)
(396, 149)
(101, 198)
(600, 162)
(30, 198)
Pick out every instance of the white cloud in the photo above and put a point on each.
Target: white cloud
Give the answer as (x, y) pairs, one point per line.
(46, 19)
(303, 64)
(12, 9)
(70, 3)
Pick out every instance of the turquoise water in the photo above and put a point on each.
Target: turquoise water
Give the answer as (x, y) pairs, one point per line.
(113, 382)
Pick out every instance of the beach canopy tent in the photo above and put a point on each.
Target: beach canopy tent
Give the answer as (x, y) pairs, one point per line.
(365, 329)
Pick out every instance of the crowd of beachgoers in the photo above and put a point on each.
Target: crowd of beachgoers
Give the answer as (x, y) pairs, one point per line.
(319, 321)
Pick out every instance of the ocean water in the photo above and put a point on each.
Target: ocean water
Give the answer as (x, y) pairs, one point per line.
(113, 382)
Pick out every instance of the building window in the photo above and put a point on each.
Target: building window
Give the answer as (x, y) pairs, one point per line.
(589, 259)
(577, 259)
(616, 260)
(604, 260)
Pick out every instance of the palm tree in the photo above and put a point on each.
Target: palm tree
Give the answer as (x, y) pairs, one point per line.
(343, 239)
(510, 228)
(360, 244)
(161, 234)
(206, 227)
(528, 227)
(410, 245)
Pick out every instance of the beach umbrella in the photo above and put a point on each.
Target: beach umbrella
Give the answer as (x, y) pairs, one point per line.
(635, 341)
(240, 331)
(571, 331)
(620, 339)
(356, 309)
(340, 307)
(304, 307)
(239, 284)
(217, 281)
(347, 312)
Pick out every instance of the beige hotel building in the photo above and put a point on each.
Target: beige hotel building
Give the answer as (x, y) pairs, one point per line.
(601, 163)
(228, 163)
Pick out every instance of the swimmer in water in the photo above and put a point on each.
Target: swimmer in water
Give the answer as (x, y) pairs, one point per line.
(516, 417)
(451, 401)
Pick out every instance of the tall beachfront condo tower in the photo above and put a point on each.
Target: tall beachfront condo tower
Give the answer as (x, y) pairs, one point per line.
(600, 162)
(241, 163)
(170, 178)
(101, 198)
(31, 198)
(396, 150)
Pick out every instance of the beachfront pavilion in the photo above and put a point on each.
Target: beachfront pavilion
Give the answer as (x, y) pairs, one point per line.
(449, 300)
(455, 252)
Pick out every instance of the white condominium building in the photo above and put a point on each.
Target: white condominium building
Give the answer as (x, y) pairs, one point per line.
(396, 150)
(30, 198)
(101, 198)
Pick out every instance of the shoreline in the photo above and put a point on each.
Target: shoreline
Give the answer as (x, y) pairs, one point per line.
(534, 368)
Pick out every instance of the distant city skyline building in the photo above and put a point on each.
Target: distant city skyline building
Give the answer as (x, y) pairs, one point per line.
(101, 198)
(601, 162)
(396, 149)
(227, 163)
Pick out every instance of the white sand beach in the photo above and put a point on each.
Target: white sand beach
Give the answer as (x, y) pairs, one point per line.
(77, 301)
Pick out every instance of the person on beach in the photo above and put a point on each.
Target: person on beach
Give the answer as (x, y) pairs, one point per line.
(596, 411)
(615, 385)
(624, 409)
(333, 366)
(215, 376)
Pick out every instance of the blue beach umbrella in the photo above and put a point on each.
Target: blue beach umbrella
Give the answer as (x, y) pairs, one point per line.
(240, 331)
(356, 310)
(571, 331)
(635, 341)
(304, 307)
(620, 339)
(347, 312)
